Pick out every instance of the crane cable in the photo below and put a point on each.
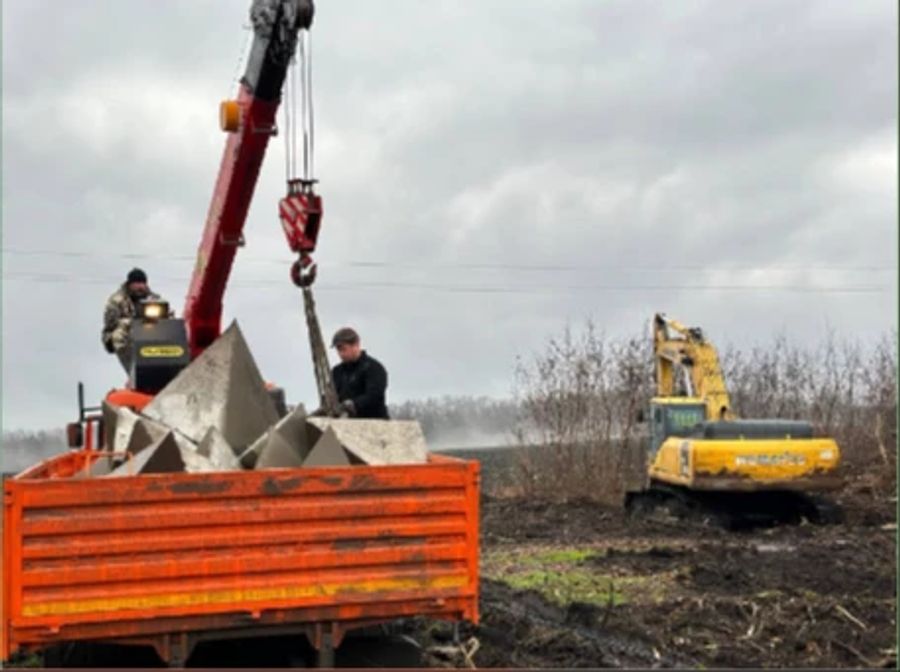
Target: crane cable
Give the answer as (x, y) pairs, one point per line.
(300, 77)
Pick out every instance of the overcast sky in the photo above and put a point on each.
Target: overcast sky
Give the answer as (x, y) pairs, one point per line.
(731, 163)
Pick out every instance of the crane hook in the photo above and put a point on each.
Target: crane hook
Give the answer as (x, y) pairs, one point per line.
(303, 271)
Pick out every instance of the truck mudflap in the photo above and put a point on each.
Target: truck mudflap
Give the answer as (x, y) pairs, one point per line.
(169, 559)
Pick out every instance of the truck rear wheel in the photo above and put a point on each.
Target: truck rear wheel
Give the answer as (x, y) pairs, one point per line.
(71, 654)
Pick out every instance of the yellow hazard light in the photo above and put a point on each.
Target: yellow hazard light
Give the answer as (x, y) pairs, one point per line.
(229, 116)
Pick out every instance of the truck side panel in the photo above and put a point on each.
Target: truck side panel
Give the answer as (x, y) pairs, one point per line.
(133, 556)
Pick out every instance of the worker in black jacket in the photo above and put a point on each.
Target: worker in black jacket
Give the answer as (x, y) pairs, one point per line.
(359, 380)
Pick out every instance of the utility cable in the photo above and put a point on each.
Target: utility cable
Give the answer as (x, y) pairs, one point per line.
(362, 263)
(63, 278)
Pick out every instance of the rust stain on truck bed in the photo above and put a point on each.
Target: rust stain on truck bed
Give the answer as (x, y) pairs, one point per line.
(278, 486)
(205, 487)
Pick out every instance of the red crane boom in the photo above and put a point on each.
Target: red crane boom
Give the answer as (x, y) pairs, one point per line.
(250, 121)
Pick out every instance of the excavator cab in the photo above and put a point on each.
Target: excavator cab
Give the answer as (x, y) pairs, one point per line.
(674, 416)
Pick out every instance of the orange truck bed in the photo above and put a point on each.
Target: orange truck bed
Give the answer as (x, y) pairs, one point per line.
(173, 559)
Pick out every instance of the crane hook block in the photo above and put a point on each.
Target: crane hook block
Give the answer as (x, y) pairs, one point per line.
(301, 215)
(229, 116)
(303, 271)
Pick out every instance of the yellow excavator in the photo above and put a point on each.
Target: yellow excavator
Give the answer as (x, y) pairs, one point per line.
(702, 457)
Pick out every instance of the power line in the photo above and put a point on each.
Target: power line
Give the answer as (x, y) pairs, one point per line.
(63, 278)
(456, 265)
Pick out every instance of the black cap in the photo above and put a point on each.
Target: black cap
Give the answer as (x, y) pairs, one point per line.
(136, 275)
(345, 335)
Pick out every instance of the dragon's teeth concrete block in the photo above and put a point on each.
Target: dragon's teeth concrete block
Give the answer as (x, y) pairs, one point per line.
(328, 452)
(286, 444)
(163, 456)
(215, 448)
(222, 388)
(376, 442)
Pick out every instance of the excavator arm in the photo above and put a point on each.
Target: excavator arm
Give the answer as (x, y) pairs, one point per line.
(250, 122)
(678, 347)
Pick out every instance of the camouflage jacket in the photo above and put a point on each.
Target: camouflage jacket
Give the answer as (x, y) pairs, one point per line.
(120, 310)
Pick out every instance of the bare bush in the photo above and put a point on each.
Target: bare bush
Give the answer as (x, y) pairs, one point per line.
(846, 390)
(578, 402)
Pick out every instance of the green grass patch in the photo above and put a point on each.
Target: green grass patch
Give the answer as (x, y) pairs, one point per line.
(564, 587)
(538, 557)
(565, 575)
(563, 555)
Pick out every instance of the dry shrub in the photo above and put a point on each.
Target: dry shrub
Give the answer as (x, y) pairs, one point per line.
(578, 403)
(578, 400)
(846, 390)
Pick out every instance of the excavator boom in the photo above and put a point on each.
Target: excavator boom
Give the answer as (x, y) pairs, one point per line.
(677, 346)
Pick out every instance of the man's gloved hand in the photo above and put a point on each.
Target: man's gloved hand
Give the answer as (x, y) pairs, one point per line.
(121, 335)
(348, 409)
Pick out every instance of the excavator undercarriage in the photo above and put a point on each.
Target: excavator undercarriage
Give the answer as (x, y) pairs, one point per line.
(732, 510)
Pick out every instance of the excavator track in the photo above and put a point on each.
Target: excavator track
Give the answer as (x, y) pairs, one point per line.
(732, 510)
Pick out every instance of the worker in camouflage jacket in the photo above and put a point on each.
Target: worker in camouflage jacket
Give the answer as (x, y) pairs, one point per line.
(121, 308)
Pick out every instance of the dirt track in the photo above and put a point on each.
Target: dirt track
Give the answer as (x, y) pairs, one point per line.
(582, 585)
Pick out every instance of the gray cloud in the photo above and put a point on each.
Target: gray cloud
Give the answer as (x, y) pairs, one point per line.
(685, 148)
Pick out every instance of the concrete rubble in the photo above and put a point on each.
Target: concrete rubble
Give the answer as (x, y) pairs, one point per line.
(217, 415)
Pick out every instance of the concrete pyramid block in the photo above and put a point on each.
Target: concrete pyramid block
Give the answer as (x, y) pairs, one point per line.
(377, 442)
(100, 467)
(328, 452)
(222, 388)
(133, 432)
(163, 456)
(286, 444)
(144, 433)
(110, 416)
(249, 457)
(194, 462)
(215, 448)
(123, 428)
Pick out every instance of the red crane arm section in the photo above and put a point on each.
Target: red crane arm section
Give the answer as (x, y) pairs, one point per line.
(222, 235)
(251, 122)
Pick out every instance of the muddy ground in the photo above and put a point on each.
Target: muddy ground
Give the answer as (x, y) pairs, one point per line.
(582, 585)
